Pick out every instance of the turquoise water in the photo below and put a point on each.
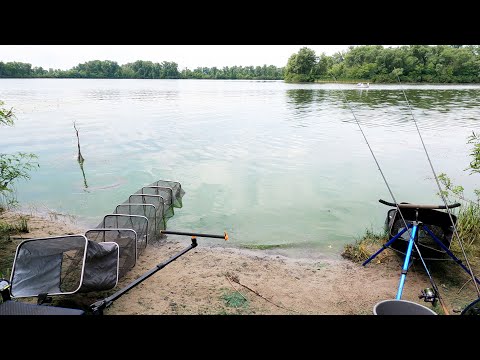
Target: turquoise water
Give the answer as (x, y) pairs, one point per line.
(268, 162)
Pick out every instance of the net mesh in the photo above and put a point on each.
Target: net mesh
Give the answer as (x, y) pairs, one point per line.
(126, 240)
(177, 191)
(122, 221)
(145, 210)
(155, 200)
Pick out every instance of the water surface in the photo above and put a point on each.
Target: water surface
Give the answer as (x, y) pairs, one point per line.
(270, 163)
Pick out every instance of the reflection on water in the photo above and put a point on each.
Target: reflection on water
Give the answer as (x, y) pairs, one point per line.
(276, 164)
(300, 98)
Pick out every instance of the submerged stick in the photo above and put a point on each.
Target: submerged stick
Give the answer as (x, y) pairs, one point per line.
(80, 158)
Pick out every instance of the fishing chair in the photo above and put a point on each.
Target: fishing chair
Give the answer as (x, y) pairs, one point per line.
(437, 223)
(424, 227)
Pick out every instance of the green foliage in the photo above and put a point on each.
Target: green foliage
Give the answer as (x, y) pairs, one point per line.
(140, 69)
(6, 116)
(372, 63)
(474, 166)
(303, 66)
(375, 63)
(468, 217)
(450, 189)
(468, 223)
(13, 166)
(10, 229)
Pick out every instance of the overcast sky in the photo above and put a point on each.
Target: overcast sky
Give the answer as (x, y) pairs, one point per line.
(191, 56)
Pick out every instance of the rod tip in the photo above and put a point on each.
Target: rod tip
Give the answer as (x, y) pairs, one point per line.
(226, 236)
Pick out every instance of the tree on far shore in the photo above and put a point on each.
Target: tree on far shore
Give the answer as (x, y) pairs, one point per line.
(302, 66)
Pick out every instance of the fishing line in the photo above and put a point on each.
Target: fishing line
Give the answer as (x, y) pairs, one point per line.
(440, 188)
(388, 187)
(435, 288)
(376, 161)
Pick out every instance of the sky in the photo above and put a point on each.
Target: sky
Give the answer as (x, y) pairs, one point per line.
(190, 56)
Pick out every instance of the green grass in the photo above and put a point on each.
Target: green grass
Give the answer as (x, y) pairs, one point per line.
(468, 229)
(7, 229)
(468, 223)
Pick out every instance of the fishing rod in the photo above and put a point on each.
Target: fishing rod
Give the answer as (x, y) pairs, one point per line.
(412, 234)
(441, 193)
(375, 158)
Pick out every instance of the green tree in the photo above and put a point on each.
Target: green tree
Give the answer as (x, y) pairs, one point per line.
(12, 166)
(301, 67)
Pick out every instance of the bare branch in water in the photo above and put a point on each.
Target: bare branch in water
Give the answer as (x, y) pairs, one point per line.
(80, 158)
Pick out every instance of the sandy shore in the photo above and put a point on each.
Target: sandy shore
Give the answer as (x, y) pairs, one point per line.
(227, 280)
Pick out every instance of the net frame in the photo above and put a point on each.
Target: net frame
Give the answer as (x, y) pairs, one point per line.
(92, 271)
(178, 192)
(155, 200)
(129, 208)
(142, 231)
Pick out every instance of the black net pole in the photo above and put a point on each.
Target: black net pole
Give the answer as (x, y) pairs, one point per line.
(98, 307)
(224, 236)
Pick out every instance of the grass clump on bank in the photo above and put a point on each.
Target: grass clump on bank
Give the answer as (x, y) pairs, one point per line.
(365, 246)
(7, 246)
(468, 229)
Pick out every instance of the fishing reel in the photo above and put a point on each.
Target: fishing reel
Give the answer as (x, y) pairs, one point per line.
(5, 289)
(429, 295)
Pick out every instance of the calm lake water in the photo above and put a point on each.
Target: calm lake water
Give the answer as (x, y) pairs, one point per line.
(268, 162)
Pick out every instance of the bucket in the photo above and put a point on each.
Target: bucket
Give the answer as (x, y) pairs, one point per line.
(401, 307)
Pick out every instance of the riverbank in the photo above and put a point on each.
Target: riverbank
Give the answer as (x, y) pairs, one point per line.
(227, 280)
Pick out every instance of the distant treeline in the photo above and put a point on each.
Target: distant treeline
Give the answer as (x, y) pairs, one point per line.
(375, 63)
(107, 69)
(372, 63)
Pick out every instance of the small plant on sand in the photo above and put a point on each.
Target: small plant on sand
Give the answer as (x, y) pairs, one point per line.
(234, 299)
(364, 247)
